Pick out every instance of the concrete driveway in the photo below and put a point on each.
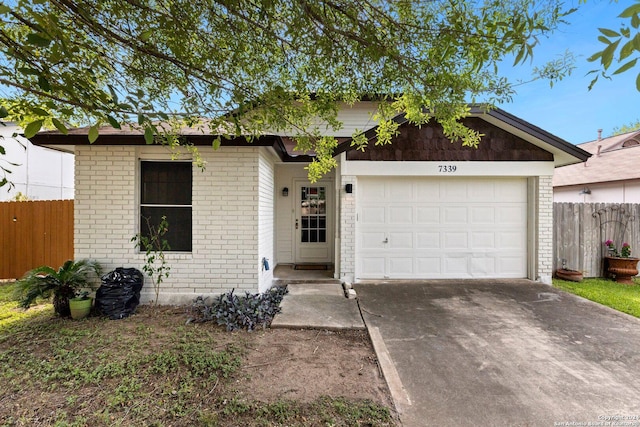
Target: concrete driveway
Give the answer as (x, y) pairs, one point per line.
(516, 353)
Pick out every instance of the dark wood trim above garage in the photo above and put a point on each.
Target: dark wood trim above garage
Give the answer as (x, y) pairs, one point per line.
(428, 143)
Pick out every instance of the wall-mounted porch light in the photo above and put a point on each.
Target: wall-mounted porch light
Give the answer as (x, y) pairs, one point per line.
(585, 190)
(285, 192)
(348, 188)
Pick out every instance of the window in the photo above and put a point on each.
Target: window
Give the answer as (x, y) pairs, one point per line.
(166, 191)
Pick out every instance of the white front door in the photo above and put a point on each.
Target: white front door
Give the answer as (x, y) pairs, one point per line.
(313, 223)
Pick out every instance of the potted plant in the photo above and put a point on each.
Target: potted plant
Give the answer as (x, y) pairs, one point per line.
(621, 265)
(80, 305)
(62, 284)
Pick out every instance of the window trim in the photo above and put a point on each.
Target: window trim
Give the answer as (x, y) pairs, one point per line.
(140, 205)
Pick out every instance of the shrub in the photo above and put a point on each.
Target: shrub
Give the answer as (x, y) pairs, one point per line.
(239, 312)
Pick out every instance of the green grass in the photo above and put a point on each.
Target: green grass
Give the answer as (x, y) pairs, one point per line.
(150, 369)
(624, 298)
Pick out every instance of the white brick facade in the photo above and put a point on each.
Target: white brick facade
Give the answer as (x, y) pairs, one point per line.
(348, 230)
(226, 248)
(545, 229)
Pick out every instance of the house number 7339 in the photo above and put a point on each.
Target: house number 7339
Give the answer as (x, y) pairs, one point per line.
(447, 168)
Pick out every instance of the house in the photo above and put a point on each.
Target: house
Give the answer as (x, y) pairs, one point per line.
(422, 207)
(611, 175)
(36, 172)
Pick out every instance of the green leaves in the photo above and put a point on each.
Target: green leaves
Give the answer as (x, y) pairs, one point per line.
(38, 39)
(149, 135)
(119, 62)
(631, 11)
(93, 134)
(619, 46)
(60, 126)
(33, 128)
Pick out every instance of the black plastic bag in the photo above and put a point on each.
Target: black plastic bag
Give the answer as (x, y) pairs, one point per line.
(119, 294)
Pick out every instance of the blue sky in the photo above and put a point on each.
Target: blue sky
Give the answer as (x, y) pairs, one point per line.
(569, 110)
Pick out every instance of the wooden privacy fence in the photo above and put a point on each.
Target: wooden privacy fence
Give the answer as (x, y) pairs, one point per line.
(34, 234)
(580, 230)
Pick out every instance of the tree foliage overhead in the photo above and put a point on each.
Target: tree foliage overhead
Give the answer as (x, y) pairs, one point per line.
(248, 65)
(621, 46)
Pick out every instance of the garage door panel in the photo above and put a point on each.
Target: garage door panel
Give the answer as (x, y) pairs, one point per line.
(373, 240)
(397, 191)
(401, 215)
(373, 267)
(480, 191)
(373, 215)
(483, 240)
(428, 266)
(511, 239)
(511, 214)
(400, 267)
(428, 240)
(510, 266)
(483, 266)
(369, 193)
(482, 215)
(428, 190)
(452, 191)
(427, 215)
(512, 191)
(400, 240)
(454, 215)
(455, 240)
(456, 266)
(441, 227)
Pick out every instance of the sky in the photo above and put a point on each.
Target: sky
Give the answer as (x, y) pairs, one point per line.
(569, 110)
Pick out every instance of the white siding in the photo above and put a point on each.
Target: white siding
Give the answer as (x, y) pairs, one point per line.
(40, 174)
(606, 192)
(225, 219)
(266, 202)
(357, 117)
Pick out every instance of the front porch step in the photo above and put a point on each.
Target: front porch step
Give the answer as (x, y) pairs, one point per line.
(285, 282)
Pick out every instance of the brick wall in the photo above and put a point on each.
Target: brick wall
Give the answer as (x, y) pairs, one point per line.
(348, 230)
(545, 229)
(225, 219)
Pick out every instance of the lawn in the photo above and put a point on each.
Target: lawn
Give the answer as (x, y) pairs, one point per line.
(153, 369)
(624, 298)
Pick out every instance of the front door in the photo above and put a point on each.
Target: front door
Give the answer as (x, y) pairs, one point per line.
(313, 223)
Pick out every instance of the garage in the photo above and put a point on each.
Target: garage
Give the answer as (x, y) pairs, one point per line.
(441, 227)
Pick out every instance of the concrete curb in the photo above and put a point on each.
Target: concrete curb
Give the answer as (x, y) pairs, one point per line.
(399, 394)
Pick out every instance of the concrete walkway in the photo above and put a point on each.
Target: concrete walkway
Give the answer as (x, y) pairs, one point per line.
(320, 305)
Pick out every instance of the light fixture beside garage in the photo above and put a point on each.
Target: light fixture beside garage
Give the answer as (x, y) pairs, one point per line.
(348, 188)
(585, 190)
(285, 192)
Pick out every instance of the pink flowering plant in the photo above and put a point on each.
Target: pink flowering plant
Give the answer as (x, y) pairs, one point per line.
(625, 252)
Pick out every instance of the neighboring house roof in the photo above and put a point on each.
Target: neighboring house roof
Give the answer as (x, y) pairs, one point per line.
(564, 153)
(613, 159)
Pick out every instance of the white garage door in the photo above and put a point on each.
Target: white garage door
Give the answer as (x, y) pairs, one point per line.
(430, 228)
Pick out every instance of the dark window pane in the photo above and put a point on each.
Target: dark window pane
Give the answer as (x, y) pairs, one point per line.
(314, 222)
(305, 222)
(305, 236)
(179, 219)
(313, 234)
(322, 236)
(166, 183)
(323, 222)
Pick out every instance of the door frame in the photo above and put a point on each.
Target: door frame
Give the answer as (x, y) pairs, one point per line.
(330, 224)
